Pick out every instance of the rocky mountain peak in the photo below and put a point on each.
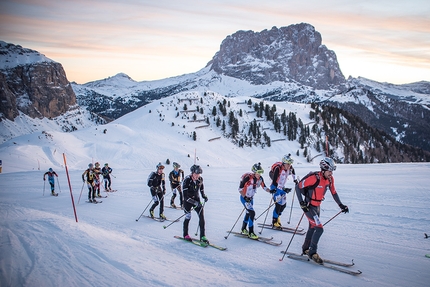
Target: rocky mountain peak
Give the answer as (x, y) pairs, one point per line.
(292, 53)
(32, 83)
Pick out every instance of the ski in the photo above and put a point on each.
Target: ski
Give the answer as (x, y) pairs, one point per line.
(333, 267)
(193, 241)
(54, 194)
(260, 237)
(328, 261)
(299, 231)
(177, 207)
(428, 255)
(212, 245)
(161, 219)
(102, 196)
(94, 201)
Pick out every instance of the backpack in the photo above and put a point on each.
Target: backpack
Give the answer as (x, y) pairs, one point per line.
(305, 190)
(276, 164)
(150, 179)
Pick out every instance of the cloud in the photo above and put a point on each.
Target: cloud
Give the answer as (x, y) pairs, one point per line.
(173, 31)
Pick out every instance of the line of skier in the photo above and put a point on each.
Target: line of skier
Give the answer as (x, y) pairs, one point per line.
(310, 191)
(91, 176)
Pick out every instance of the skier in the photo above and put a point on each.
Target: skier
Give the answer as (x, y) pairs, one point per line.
(97, 172)
(280, 172)
(51, 173)
(175, 184)
(192, 185)
(106, 171)
(157, 186)
(88, 177)
(247, 189)
(314, 187)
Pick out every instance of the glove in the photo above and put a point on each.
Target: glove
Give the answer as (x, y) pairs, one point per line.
(344, 208)
(197, 204)
(296, 181)
(44, 179)
(205, 198)
(247, 199)
(164, 191)
(272, 189)
(287, 190)
(304, 206)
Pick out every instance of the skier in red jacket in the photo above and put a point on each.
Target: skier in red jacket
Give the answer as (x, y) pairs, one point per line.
(313, 187)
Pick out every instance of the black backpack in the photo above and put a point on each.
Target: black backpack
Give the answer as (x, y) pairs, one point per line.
(150, 179)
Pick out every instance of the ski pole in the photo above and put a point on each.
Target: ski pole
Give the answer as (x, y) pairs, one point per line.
(81, 192)
(291, 209)
(145, 209)
(265, 218)
(177, 219)
(44, 182)
(58, 184)
(268, 207)
(197, 230)
(235, 223)
(298, 224)
(332, 218)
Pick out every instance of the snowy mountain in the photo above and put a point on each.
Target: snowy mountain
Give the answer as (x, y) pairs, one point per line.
(287, 54)
(288, 64)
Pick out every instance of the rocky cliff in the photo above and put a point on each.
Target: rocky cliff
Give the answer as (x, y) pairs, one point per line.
(32, 84)
(288, 54)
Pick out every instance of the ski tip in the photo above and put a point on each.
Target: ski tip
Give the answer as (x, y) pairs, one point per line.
(425, 235)
(164, 226)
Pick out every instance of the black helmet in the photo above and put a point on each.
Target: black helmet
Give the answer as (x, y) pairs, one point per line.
(327, 164)
(196, 169)
(176, 165)
(160, 165)
(256, 168)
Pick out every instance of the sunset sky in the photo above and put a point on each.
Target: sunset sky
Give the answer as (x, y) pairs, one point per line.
(382, 40)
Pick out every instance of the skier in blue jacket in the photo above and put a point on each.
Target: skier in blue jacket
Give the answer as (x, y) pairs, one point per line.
(51, 173)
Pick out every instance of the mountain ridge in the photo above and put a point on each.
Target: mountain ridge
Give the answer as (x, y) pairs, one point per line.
(402, 107)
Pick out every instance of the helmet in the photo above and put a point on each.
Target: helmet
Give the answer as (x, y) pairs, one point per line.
(176, 165)
(287, 159)
(90, 165)
(106, 164)
(196, 169)
(159, 165)
(256, 168)
(97, 164)
(50, 169)
(327, 164)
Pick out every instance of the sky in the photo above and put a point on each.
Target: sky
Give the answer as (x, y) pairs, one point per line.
(384, 40)
(44, 244)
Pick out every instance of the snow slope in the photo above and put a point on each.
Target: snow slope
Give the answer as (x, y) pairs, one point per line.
(42, 245)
